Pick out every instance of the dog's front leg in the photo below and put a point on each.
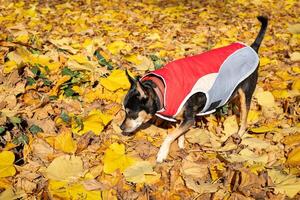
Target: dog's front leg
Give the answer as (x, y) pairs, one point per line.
(164, 149)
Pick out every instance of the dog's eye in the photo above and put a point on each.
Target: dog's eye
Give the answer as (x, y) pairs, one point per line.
(128, 112)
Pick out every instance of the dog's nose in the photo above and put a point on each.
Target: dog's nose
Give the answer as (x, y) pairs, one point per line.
(122, 127)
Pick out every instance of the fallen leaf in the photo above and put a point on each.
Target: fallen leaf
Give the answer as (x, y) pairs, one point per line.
(116, 80)
(140, 172)
(194, 170)
(248, 156)
(265, 99)
(230, 127)
(64, 190)
(201, 188)
(294, 28)
(115, 158)
(262, 129)
(65, 142)
(65, 168)
(285, 184)
(199, 136)
(7, 168)
(295, 56)
(117, 46)
(95, 121)
(294, 157)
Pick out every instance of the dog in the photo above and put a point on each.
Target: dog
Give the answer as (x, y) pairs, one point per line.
(194, 86)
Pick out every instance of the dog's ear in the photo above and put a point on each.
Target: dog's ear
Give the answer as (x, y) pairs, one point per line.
(140, 88)
(131, 79)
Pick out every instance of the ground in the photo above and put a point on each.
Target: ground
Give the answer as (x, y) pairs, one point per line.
(62, 82)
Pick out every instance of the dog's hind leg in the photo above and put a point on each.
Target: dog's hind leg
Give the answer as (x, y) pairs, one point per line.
(181, 142)
(243, 112)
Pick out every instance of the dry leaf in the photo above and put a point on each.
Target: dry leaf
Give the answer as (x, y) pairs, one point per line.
(141, 172)
(65, 168)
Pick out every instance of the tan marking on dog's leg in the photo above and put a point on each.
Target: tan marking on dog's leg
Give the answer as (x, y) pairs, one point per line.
(165, 147)
(243, 113)
(181, 142)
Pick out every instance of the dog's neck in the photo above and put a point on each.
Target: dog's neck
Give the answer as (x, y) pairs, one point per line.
(157, 87)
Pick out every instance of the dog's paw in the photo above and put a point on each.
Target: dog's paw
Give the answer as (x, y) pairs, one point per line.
(181, 142)
(162, 154)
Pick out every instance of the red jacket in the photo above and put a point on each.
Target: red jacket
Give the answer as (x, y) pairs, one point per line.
(184, 77)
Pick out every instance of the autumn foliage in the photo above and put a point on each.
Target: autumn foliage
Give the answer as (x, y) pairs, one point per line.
(62, 82)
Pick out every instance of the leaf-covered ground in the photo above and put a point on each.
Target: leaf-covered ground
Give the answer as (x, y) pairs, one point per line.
(62, 82)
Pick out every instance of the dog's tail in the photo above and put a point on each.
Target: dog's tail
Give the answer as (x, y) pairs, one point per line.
(264, 23)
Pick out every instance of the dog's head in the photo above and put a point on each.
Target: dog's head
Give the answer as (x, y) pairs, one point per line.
(137, 105)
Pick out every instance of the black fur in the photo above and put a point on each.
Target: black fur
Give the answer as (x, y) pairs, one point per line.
(264, 23)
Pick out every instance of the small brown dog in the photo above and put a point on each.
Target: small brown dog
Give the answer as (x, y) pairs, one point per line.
(192, 86)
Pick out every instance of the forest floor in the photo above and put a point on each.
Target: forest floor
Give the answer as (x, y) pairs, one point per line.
(62, 83)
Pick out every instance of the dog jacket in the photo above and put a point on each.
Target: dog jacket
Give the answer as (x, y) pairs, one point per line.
(216, 73)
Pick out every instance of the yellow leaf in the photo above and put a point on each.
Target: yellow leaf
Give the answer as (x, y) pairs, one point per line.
(295, 56)
(22, 38)
(79, 58)
(54, 91)
(146, 63)
(95, 121)
(249, 156)
(153, 36)
(253, 117)
(296, 85)
(47, 27)
(92, 95)
(194, 170)
(265, 99)
(115, 158)
(7, 168)
(44, 61)
(284, 75)
(78, 89)
(12, 194)
(201, 188)
(9, 66)
(133, 59)
(262, 129)
(138, 172)
(116, 80)
(264, 61)
(215, 171)
(294, 157)
(4, 183)
(156, 45)
(255, 143)
(31, 12)
(65, 142)
(281, 94)
(199, 136)
(294, 28)
(199, 38)
(292, 139)
(64, 190)
(65, 168)
(117, 46)
(296, 69)
(230, 125)
(285, 183)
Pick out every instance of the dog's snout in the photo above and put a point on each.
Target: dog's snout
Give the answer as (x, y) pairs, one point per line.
(122, 127)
